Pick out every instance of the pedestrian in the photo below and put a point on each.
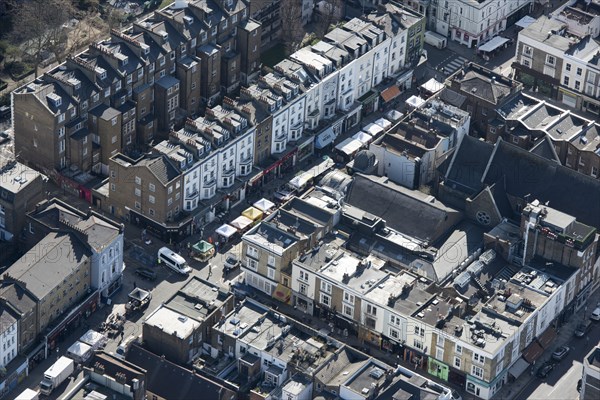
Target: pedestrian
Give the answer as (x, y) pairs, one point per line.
(134, 284)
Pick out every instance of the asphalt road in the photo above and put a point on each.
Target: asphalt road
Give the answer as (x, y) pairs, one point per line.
(561, 383)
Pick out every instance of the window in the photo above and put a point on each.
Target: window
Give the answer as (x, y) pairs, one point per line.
(303, 275)
(151, 211)
(271, 261)
(151, 187)
(577, 85)
(439, 354)
(138, 180)
(457, 362)
(61, 118)
(394, 334)
(595, 172)
(417, 344)
(252, 252)
(348, 310)
(325, 287)
(151, 199)
(419, 331)
(568, 67)
(271, 273)
(394, 320)
(458, 349)
(477, 371)
(348, 298)
(550, 60)
(325, 300)
(579, 71)
(526, 63)
(138, 192)
(566, 81)
(440, 340)
(252, 264)
(372, 310)
(478, 358)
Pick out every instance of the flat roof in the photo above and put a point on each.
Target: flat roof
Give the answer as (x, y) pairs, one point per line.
(172, 322)
(15, 176)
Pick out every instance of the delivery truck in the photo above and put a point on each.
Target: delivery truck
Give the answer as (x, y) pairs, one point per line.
(56, 374)
(435, 39)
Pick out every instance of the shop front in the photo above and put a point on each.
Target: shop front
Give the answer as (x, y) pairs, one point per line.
(71, 321)
(370, 102)
(174, 232)
(416, 358)
(306, 148)
(438, 369)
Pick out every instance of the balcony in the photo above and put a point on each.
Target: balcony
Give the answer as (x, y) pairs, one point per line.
(228, 173)
(296, 131)
(192, 196)
(210, 183)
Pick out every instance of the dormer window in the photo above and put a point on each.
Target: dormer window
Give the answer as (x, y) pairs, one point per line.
(147, 50)
(102, 74)
(172, 55)
(124, 61)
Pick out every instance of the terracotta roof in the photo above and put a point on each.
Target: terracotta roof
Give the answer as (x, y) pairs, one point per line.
(533, 352)
(390, 93)
(547, 338)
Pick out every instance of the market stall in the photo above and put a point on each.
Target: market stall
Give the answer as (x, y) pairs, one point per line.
(225, 232)
(363, 137)
(202, 251)
(253, 214)
(264, 205)
(241, 223)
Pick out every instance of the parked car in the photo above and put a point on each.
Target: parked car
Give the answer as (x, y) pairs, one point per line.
(231, 262)
(595, 315)
(579, 383)
(582, 329)
(560, 353)
(545, 370)
(146, 273)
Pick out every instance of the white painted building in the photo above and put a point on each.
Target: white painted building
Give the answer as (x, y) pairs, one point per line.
(9, 337)
(473, 23)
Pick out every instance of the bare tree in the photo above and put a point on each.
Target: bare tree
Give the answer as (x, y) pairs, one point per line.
(328, 13)
(38, 26)
(292, 30)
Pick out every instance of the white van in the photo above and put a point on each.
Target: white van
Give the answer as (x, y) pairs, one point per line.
(173, 261)
(123, 348)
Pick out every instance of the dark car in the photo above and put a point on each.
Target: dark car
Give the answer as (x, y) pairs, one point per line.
(146, 273)
(582, 329)
(579, 383)
(560, 353)
(545, 370)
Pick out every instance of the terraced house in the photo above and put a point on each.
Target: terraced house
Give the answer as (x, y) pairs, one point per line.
(133, 87)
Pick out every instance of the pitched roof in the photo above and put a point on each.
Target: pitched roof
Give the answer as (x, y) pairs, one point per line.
(468, 164)
(161, 167)
(170, 381)
(544, 148)
(409, 212)
(525, 173)
(45, 266)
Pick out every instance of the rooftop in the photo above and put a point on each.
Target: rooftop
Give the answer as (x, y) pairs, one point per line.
(172, 322)
(271, 238)
(15, 176)
(197, 299)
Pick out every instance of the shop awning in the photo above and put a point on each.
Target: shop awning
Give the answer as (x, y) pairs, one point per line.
(525, 21)
(241, 222)
(518, 368)
(373, 129)
(533, 352)
(349, 146)
(363, 137)
(202, 247)
(264, 205)
(325, 138)
(282, 293)
(390, 93)
(432, 86)
(226, 231)
(252, 213)
(415, 101)
(547, 338)
(493, 44)
(300, 180)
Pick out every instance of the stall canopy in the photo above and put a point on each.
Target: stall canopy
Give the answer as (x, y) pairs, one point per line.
(390, 93)
(282, 293)
(415, 101)
(349, 146)
(202, 247)
(226, 231)
(525, 21)
(264, 205)
(299, 181)
(252, 213)
(493, 44)
(373, 129)
(432, 86)
(80, 351)
(384, 123)
(364, 137)
(518, 368)
(241, 222)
